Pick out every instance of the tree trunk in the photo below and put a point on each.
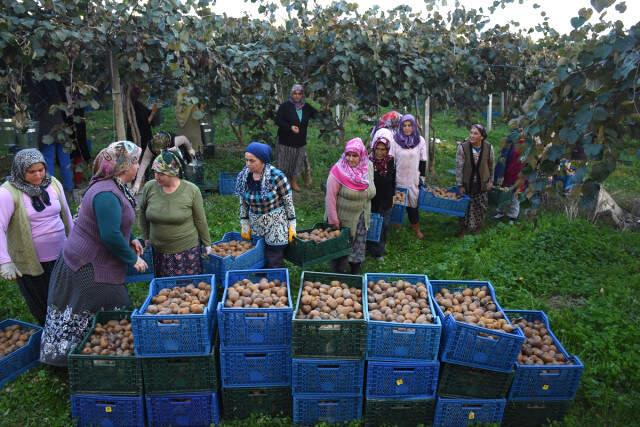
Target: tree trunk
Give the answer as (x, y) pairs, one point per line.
(116, 96)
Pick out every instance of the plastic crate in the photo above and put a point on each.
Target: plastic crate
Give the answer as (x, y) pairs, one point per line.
(327, 376)
(251, 259)
(428, 202)
(472, 345)
(545, 382)
(397, 214)
(310, 409)
(104, 410)
(397, 379)
(148, 275)
(227, 183)
(534, 413)
(188, 335)
(183, 409)
(188, 374)
(392, 340)
(462, 412)
(306, 253)
(463, 381)
(20, 361)
(256, 367)
(407, 412)
(335, 339)
(239, 403)
(94, 374)
(375, 227)
(498, 197)
(242, 327)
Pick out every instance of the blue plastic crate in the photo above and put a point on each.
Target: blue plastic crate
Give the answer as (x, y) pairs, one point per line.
(472, 345)
(392, 340)
(183, 409)
(227, 183)
(428, 202)
(190, 334)
(333, 376)
(375, 227)
(249, 260)
(462, 412)
(310, 409)
(545, 382)
(20, 361)
(242, 327)
(107, 411)
(399, 379)
(256, 367)
(148, 275)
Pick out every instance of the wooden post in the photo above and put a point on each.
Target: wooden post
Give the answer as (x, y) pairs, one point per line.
(427, 117)
(490, 113)
(502, 103)
(116, 97)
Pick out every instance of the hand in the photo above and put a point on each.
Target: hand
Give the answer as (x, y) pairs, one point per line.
(140, 265)
(208, 249)
(499, 182)
(461, 190)
(192, 153)
(489, 186)
(9, 271)
(154, 108)
(292, 232)
(137, 247)
(135, 188)
(335, 225)
(295, 129)
(246, 230)
(422, 183)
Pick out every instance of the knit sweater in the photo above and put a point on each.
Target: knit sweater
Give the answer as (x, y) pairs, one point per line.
(173, 222)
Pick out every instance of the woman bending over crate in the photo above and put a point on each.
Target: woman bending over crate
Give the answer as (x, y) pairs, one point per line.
(266, 203)
(350, 188)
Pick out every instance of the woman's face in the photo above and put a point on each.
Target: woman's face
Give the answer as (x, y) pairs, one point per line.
(407, 127)
(296, 95)
(475, 136)
(35, 174)
(380, 150)
(352, 159)
(130, 174)
(162, 179)
(254, 164)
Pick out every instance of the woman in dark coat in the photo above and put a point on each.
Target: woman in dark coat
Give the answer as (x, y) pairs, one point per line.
(292, 119)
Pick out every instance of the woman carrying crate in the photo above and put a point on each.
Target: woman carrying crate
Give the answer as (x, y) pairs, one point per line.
(172, 218)
(350, 188)
(90, 274)
(474, 177)
(266, 203)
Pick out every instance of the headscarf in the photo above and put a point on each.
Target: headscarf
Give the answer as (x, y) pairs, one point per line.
(382, 136)
(389, 120)
(403, 140)
(355, 178)
(482, 130)
(297, 88)
(169, 162)
(111, 161)
(262, 152)
(23, 160)
(161, 141)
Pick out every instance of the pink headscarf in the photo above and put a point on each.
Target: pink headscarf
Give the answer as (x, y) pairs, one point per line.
(355, 178)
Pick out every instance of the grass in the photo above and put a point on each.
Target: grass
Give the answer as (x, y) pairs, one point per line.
(584, 276)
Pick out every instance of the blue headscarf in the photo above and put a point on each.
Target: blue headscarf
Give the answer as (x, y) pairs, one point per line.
(262, 152)
(407, 141)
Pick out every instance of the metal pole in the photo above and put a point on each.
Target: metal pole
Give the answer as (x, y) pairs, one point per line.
(427, 112)
(502, 103)
(490, 113)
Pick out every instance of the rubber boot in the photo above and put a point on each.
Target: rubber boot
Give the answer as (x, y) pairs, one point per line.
(416, 229)
(294, 183)
(355, 267)
(339, 265)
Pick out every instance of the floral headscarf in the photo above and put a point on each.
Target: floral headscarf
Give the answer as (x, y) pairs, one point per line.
(111, 161)
(355, 178)
(382, 136)
(23, 160)
(403, 140)
(170, 163)
(161, 141)
(297, 88)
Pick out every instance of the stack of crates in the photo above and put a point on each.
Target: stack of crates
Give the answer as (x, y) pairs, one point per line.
(178, 359)
(105, 390)
(328, 361)
(255, 348)
(476, 364)
(540, 394)
(402, 362)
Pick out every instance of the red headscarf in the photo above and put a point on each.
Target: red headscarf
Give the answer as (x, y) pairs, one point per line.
(356, 178)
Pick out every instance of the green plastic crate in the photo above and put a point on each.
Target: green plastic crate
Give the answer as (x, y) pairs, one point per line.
(337, 339)
(306, 253)
(534, 413)
(499, 198)
(113, 375)
(463, 381)
(239, 403)
(407, 412)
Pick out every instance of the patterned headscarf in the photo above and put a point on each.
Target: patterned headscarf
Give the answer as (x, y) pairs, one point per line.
(383, 136)
(403, 140)
(170, 163)
(23, 160)
(297, 88)
(481, 129)
(355, 178)
(389, 120)
(161, 141)
(113, 160)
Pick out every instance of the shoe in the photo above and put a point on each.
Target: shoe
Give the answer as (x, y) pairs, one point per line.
(512, 221)
(416, 229)
(499, 215)
(294, 184)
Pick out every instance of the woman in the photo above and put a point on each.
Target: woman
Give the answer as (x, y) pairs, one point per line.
(35, 221)
(409, 150)
(161, 141)
(90, 274)
(474, 176)
(139, 118)
(292, 119)
(266, 203)
(507, 174)
(384, 177)
(172, 218)
(350, 188)
(389, 120)
(188, 117)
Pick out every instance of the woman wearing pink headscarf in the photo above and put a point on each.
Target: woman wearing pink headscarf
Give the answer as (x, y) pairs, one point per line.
(350, 188)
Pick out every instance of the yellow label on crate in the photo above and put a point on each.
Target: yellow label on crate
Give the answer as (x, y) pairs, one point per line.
(545, 387)
(399, 381)
(472, 415)
(107, 409)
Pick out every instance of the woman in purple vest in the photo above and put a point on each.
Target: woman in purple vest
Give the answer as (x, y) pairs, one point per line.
(90, 274)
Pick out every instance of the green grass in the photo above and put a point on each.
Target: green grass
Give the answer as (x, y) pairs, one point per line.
(584, 276)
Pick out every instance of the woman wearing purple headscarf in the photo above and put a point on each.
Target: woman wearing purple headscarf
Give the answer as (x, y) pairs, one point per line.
(292, 119)
(410, 152)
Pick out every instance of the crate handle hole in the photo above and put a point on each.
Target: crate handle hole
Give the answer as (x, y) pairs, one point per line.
(404, 370)
(257, 393)
(328, 366)
(405, 331)
(255, 316)
(551, 372)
